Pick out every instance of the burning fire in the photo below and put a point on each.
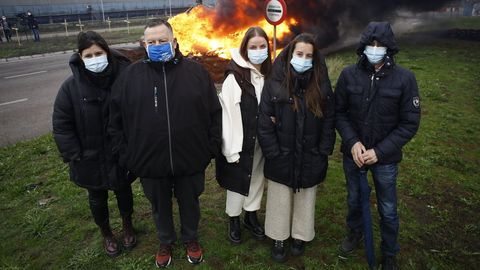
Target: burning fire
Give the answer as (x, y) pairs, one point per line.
(197, 33)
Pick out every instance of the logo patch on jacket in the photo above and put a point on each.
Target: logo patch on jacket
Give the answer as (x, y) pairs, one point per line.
(416, 102)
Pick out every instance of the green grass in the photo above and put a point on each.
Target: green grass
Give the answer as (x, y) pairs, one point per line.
(450, 23)
(439, 192)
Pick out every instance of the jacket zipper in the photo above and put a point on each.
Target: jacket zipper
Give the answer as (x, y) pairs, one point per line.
(155, 98)
(168, 120)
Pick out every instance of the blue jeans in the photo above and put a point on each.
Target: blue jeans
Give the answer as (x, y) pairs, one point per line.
(36, 34)
(384, 179)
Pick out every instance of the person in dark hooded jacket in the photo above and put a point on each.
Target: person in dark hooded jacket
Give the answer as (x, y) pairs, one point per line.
(32, 24)
(377, 113)
(80, 118)
(166, 122)
(296, 130)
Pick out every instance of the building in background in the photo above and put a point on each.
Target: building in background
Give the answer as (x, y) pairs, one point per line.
(51, 11)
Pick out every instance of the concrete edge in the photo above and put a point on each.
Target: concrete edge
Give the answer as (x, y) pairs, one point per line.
(41, 55)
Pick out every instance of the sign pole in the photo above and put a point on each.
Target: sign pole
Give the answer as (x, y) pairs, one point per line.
(275, 14)
(274, 42)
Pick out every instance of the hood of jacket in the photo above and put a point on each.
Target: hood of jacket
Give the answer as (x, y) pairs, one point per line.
(381, 32)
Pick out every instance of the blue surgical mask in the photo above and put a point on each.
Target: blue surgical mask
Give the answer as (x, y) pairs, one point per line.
(375, 55)
(160, 53)
(257, 57)
(301, 64)
(96, 64)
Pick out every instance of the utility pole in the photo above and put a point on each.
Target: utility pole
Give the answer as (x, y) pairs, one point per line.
(103, 11)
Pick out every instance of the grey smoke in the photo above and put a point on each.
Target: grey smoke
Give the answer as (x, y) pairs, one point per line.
(325, 18)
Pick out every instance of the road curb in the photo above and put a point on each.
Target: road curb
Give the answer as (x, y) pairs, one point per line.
(40, 55)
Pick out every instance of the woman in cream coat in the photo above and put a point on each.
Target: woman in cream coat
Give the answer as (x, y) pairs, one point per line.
(240, 168)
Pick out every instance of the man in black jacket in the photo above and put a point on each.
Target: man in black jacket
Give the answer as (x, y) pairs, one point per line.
(378, 112)
(166, 125)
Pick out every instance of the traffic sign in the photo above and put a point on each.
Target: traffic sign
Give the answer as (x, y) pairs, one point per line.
(275, 11)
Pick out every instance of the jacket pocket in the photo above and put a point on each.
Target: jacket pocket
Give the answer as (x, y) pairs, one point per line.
(315, 166)
(86, 171)
(389, 101)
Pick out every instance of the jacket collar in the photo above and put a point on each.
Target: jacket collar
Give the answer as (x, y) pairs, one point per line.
(169, 64)
(389, 63)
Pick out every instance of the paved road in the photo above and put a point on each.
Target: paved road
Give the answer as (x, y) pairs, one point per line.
(27, 91)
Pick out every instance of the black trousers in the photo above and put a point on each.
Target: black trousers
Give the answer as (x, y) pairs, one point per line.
(98, 200)
(186, 190)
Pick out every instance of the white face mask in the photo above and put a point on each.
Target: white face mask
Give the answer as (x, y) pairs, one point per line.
(301, 64)
(257, 57)
(96, 64)
(375, 55)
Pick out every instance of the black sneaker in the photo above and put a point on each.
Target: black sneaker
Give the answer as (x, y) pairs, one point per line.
(389, 263)
(297, 248)
(351, 242)
(279, 252)
(234, 230)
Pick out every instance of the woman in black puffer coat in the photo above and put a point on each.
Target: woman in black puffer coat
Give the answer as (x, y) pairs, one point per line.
(80, 118)
(296, 133)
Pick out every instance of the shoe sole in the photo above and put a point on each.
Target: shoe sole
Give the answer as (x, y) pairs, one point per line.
(250, 229)
(112, 254)
(131, 246)
(233, 241)
(163, 266)
(280, 260)
(195, 261)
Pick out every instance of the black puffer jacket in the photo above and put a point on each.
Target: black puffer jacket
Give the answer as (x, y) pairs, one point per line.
(166, 118)
(80, 118)
(380, 109)
(297, 145)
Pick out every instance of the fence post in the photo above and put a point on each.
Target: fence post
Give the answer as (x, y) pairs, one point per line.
(66, 27)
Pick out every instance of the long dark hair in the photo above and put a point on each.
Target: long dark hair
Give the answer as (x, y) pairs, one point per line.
(86, 39)
(254, 32)
(313, 94)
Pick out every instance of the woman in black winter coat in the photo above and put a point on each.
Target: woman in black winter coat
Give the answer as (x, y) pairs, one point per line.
(296, 133)
(80, 118)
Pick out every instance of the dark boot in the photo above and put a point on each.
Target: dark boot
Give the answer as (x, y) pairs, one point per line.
(389, 263)
(251, 223)
(279, 253)
(234, 232)
(109, 242)
(298, 247)
(129, 239)
(351, 241)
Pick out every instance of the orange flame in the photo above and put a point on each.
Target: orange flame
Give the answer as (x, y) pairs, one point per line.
(197, 34)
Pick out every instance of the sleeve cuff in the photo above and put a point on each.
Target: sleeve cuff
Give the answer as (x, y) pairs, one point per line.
(233, 158)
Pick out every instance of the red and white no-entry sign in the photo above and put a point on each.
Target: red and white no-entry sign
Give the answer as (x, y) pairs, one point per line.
(275, 11)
